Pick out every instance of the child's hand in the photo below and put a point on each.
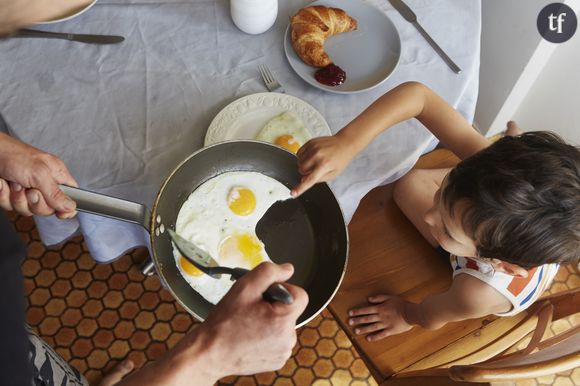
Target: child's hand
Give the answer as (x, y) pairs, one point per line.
(384, 318)
(320, 160)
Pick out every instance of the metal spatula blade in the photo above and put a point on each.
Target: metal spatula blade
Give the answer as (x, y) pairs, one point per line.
(205, 263)
(198, 256)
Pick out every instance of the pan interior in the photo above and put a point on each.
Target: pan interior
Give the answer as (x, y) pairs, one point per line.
(289, 237)
(309, 231)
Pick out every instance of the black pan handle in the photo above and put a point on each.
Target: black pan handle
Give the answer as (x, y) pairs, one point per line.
(275, 293)
(278, 293)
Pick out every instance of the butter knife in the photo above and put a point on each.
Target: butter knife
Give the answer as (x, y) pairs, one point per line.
(93, 39)
(411, 17)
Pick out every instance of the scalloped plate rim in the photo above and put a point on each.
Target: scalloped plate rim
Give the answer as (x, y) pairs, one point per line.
(213, 136)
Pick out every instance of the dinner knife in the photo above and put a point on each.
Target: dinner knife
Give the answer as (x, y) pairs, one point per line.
(83, 38)
(411, 17)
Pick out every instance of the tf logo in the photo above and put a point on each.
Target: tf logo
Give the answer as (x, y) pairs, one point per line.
(557, 22)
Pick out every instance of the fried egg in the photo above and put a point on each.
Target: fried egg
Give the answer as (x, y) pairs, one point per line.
(285, 130)
(220, 217)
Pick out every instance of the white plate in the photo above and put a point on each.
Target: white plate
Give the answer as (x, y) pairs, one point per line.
(74, 13)
(245, 117)
(368, 55)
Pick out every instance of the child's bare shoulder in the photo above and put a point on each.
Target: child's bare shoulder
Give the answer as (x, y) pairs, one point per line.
(476, 295)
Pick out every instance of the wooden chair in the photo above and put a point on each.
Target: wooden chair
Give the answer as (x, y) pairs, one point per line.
(491, 354)
(388, 255)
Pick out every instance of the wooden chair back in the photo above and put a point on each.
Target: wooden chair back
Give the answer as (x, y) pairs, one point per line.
(502, 358)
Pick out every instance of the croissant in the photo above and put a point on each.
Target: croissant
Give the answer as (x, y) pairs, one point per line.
(311, 26)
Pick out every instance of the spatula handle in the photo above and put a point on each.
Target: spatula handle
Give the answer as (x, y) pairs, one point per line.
(278, 293)
(275, 293)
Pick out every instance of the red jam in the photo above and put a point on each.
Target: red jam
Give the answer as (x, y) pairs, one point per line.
(331, 75)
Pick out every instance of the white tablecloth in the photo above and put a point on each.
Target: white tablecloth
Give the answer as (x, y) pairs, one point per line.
(122, 116)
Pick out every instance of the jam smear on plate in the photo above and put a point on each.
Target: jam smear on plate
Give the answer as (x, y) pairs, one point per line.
(331, 75)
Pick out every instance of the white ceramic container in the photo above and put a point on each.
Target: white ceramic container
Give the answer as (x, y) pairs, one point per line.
(254, 16)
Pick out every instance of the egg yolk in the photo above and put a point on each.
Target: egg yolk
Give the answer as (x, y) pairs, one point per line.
(244, 250)
(288, 142)
(189, 268)
(241, 201)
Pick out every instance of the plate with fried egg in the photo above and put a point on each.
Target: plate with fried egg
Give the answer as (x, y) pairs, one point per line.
(280, 119)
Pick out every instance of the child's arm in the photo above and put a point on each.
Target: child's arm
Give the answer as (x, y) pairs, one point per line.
(322, 159)
(467, 298)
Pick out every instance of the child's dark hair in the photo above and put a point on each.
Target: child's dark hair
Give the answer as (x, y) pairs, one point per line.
(523, 199)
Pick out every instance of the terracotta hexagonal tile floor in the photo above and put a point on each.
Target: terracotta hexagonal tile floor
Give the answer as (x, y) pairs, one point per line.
(96, 315)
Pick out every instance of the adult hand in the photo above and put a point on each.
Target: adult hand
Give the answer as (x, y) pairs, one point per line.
(29, 180)
(385, 317)
(252, 335)
(243, 334)
(322, 159)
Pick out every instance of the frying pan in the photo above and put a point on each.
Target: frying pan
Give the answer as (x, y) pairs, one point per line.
(308, 232)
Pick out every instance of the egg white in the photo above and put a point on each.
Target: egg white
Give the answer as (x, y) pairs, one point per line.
(284, 124)
(206, 220)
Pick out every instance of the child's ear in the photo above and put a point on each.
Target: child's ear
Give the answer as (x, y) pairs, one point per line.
(512, 269)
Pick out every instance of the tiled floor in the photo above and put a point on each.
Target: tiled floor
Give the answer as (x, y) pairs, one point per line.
(96, 315)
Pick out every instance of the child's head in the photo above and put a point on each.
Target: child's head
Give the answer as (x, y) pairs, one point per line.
(520, 199)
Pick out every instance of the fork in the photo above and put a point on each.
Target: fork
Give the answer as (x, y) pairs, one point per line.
(271, 83)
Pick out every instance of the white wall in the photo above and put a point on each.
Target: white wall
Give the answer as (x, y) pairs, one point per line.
(509, 39)
(553, 102)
